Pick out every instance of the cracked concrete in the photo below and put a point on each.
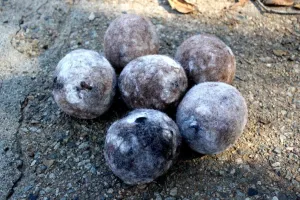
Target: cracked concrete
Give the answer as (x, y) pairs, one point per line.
(15, 80)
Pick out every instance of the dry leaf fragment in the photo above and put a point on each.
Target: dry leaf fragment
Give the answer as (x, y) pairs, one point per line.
(279, 2)
(297, 6)
(279, 52)
(241, 3)
(48, 163)
(182, 6)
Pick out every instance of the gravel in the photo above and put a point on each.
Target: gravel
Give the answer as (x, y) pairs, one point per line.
(61, 157)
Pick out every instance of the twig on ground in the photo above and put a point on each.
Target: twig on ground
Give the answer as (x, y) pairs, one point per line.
(277, 11)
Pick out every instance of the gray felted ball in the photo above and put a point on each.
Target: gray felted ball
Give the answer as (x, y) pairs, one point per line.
(211, 117)
(84, 84)
(153, 81)
(128, 37)
(206, 58)
(142, 146)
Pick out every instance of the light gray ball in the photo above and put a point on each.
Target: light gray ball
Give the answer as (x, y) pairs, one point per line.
(206, 58)
(153, 81)
(128, 37)
(142, 146)
(211, 117)
(84, 84)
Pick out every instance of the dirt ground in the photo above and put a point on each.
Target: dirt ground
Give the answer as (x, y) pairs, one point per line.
(45, 154)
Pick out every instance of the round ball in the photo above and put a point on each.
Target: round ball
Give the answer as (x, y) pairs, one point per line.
(206, 58)
(84, 84)
(142, 146)
(211, 117)
(128, 37)
(153, 81)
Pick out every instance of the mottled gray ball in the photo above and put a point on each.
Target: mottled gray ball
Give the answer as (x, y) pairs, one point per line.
(84, 84)
(206, 58)
(211, 117)
(142, 146)
(153, 81)
(128, 37)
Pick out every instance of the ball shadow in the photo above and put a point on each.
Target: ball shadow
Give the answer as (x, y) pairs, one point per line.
(186, 153)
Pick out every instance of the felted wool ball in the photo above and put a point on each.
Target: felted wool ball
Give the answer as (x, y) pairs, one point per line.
(153, 81)
(84, 84)
(128, 37)
(142, 146)
(211, 117)
(206, 58)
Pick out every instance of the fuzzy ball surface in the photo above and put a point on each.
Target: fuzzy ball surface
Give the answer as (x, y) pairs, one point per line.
(84, 84)
(211, 117)
(128, 37)
(142, 146)
(153, 81)
(206, 58)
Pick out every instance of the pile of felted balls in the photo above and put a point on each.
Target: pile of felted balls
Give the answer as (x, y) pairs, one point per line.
(143, 145)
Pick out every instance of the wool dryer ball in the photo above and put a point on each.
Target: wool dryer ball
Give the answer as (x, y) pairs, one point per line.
(211, 117)
(142, 146)
(206, 58)
(153, 81)
(128, 37)
(84, 84)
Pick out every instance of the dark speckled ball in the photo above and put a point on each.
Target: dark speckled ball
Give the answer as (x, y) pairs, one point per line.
(142, 146)
(153, 81)
(128, 37)
(84, 84)
(211, 117)
(206, 58)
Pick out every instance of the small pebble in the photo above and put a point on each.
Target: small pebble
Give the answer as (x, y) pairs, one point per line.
(32, 197)
(277, 150)
(276, 164)
(110, 191)
(170, 198)
(92, 16)
(252, 192)
(173, 192)
(157, 196)
(52, 176)
(33, 163)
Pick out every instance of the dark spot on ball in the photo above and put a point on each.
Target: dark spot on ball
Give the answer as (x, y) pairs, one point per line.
(85, 86)
(45, 47)
(195, 127)
(224, 99)
(175, 84)
(57, 85)
(141, 120)
(6, 149)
